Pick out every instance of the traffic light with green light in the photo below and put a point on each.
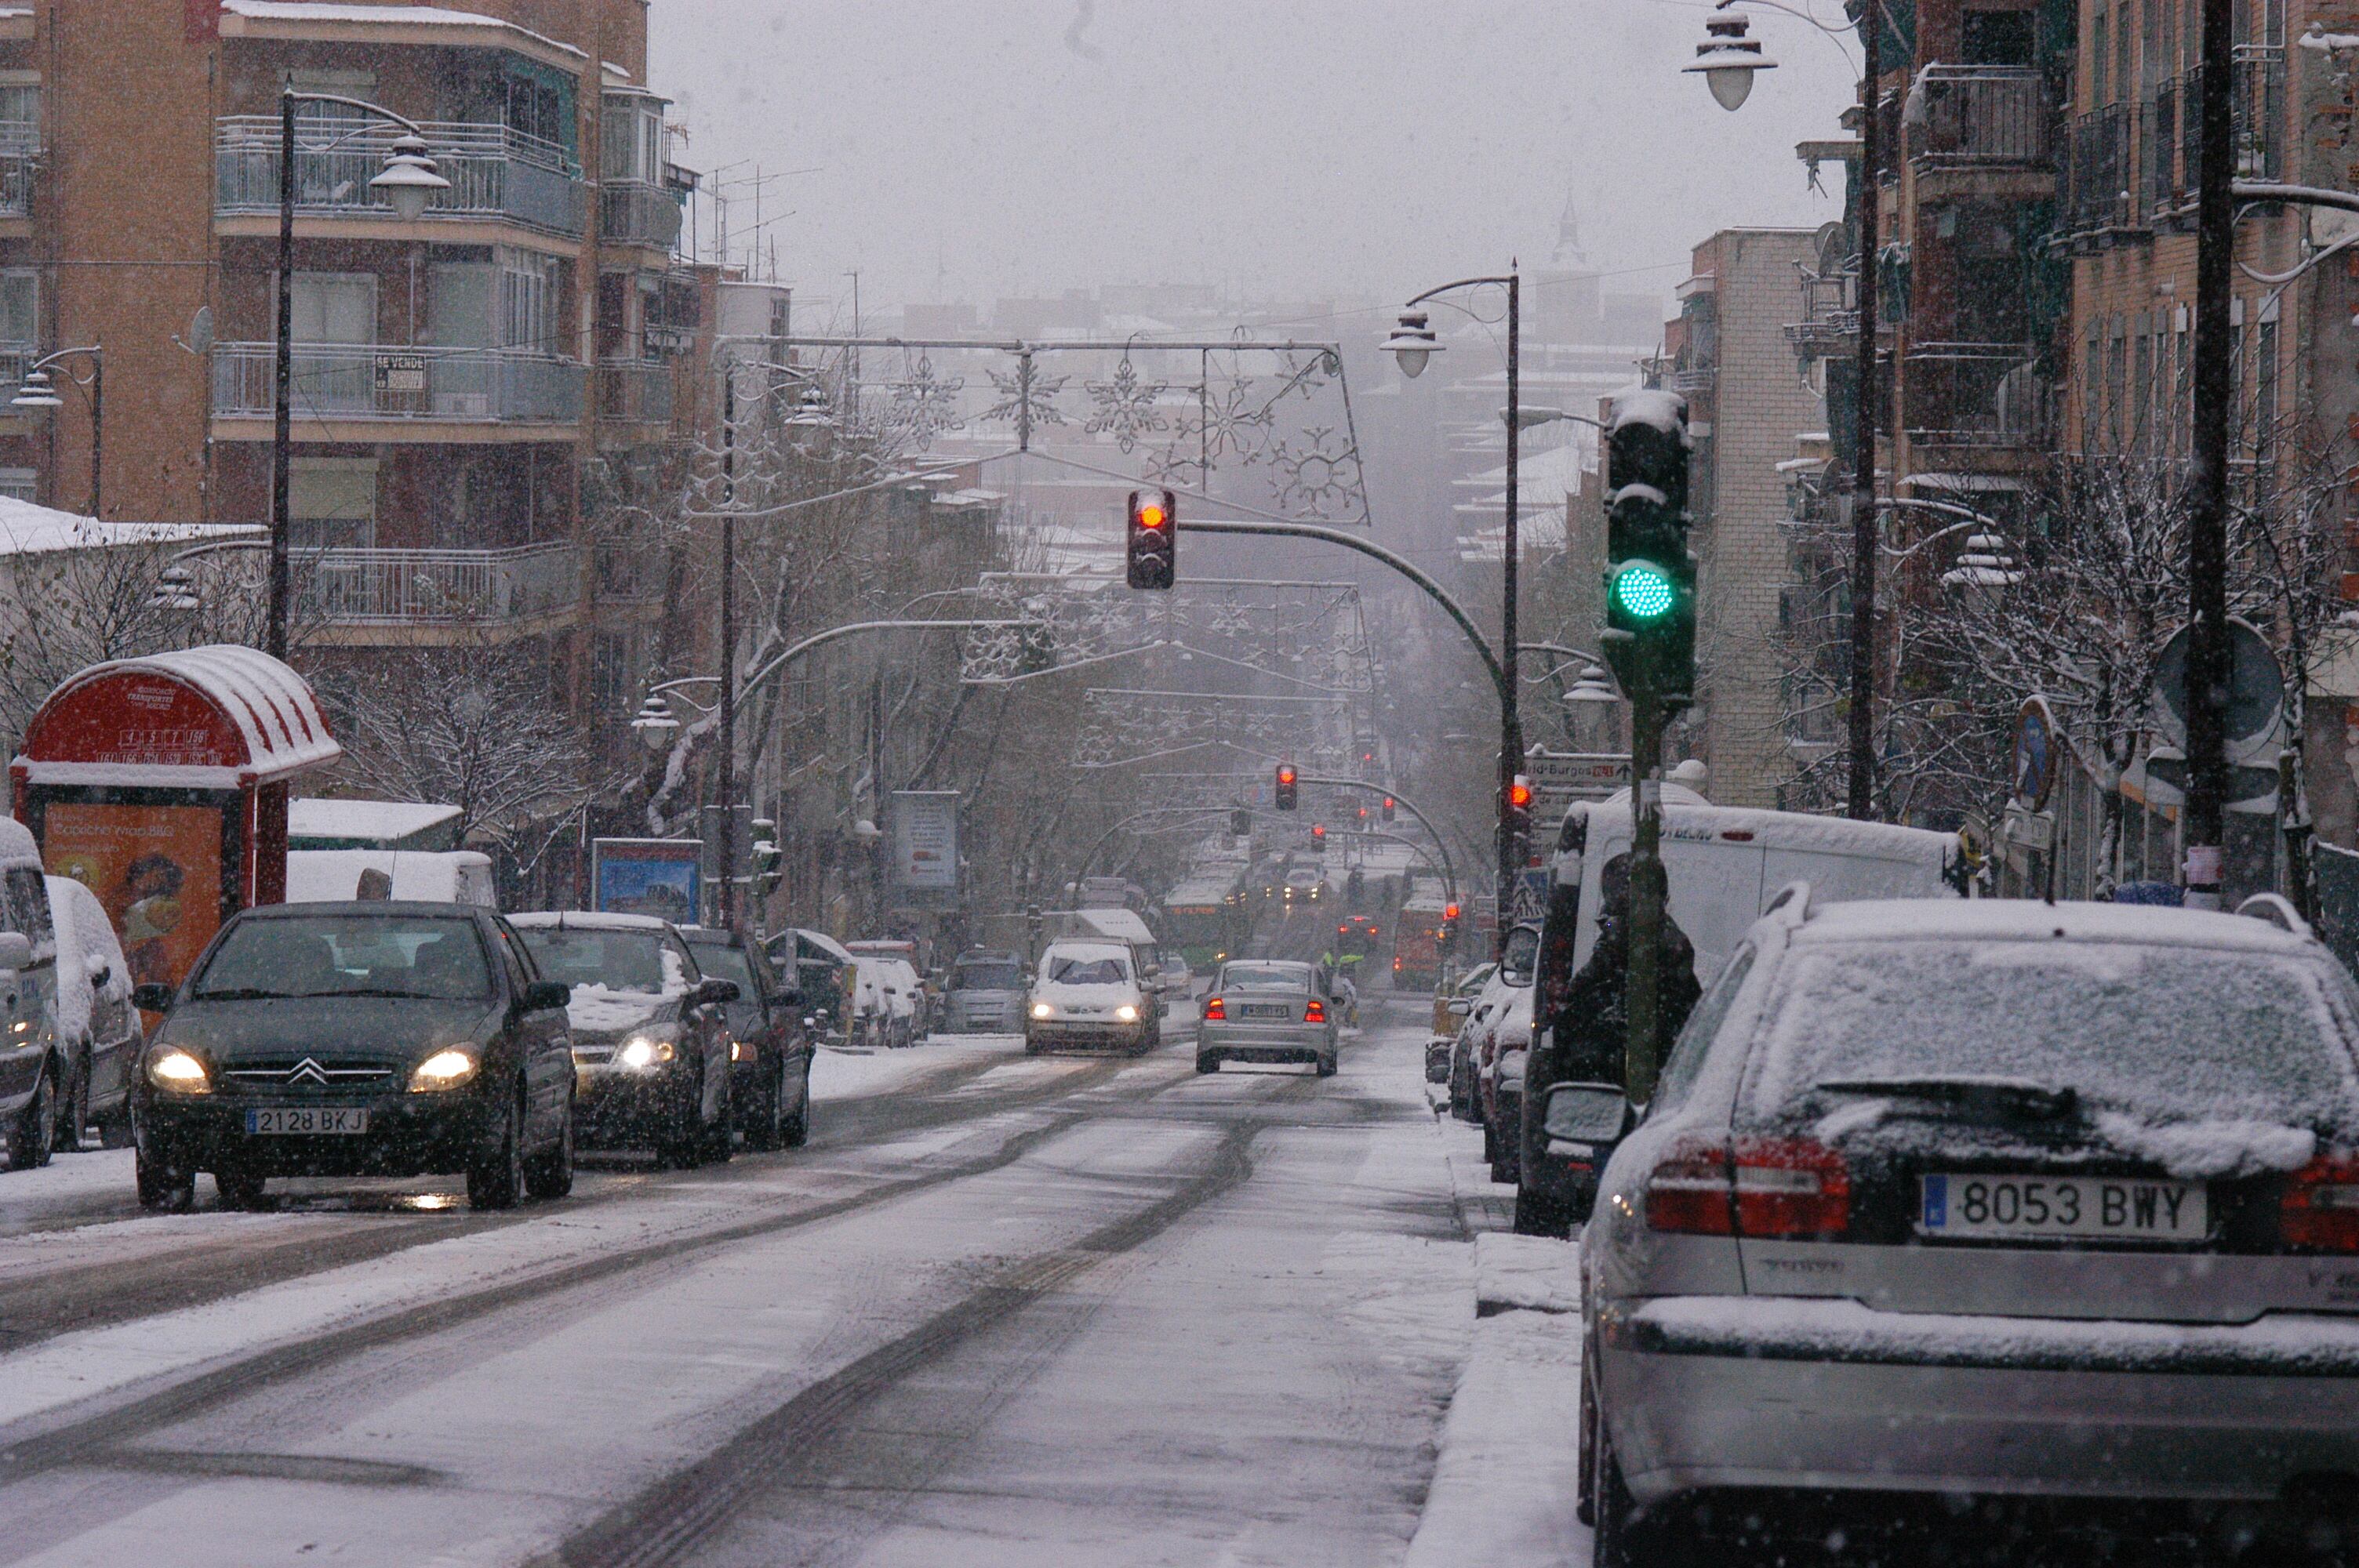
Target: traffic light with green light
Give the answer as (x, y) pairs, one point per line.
(1650, 578)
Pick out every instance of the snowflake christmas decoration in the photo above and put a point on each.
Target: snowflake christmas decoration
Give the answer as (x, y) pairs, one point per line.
(1020, 401)
(925, 404)
(1315, 474)
(1126, 406)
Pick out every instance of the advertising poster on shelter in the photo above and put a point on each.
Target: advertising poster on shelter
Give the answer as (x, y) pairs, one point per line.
(648, 876)
(156, 868)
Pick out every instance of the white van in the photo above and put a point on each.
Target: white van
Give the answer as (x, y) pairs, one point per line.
(1725, 863)
(431, 876)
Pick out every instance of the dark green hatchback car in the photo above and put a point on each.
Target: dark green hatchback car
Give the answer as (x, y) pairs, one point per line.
(372, 1038)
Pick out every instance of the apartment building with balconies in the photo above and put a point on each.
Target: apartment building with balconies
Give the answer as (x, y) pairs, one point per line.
(458, 379)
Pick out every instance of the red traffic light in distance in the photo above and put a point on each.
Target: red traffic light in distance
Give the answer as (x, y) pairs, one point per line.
(1150, 558)
(1519, 794)
(1449, 912)
(1286, 791)
(1319, 831)
(1152, 515)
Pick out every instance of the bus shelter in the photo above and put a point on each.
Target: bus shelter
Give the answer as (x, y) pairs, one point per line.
(161, 785)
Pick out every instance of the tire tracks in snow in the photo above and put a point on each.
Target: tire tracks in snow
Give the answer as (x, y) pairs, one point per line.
(789, 1448)
(78, 1433)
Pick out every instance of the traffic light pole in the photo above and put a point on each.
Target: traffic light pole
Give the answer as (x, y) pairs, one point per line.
(1648, 890)
(1449, 870)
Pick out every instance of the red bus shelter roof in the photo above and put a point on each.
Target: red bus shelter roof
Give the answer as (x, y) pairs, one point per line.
(222, 716)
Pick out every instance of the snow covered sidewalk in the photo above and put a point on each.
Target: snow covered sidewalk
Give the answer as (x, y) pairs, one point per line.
(1503, 1491)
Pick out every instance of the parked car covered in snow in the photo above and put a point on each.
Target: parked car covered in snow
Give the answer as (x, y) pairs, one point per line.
(32, 1072)
(98, 1029)
(649, 1037)
(1962, 1199)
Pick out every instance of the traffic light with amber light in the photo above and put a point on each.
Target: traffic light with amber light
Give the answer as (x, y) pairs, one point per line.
(1151, 547)
(1286, 786)
(1650, 578)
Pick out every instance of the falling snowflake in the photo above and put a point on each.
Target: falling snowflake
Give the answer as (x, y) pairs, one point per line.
(1315, 475)
(925, 404)
(1126, 406)
(1023, 397)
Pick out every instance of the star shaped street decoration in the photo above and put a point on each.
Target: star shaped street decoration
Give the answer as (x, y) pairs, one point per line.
(1126, 406)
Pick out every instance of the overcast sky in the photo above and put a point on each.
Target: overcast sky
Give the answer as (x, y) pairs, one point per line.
(967, 149)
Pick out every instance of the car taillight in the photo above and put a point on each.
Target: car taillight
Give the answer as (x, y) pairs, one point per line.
(1316, 1012)
(2319, 1211)
(1763, 1187)
(1215, 1008)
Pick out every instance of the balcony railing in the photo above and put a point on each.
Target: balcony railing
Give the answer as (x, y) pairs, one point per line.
(494, 172)
(2256, 119)
(15, 358)
(2100, 175)
(1693, 380)
(636, 391)
(1976, 394)
(632, 213)
(427, 587)
(1979, 116)
(390, 381)
(20, 155)
(1830, 323)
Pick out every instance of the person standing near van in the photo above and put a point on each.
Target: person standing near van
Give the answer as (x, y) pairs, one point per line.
(1588, 1026)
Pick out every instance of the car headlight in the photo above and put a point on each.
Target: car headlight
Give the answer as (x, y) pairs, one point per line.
(1126, 1014)
(641, 1053)
(1042, 1009)
(741, 1050)
(177, 1072)
(442, 1070)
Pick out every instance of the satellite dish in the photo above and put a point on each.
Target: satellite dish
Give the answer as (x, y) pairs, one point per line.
(199, 339)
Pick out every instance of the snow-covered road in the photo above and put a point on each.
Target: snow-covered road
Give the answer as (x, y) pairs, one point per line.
(1003, 1310)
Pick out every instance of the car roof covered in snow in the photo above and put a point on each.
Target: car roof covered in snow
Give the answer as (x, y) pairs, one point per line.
(2023, 920)
(587, 920)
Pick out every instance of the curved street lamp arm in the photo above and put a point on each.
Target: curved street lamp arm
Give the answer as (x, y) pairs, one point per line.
(1503, 281)
(784, 656)
(288, 95)
(1449, 869)
(1433, 590)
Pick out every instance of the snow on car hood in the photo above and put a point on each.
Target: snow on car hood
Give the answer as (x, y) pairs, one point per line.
(601, 1009)
(1108, 997)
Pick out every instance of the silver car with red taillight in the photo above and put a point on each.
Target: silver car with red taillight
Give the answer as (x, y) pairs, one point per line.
(1992, 1199)
(1267, 1010)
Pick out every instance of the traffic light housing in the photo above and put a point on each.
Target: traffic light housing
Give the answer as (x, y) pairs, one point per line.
(1240, 823)
(769, 858)
(1519, 808)
(1650, 578)
(1390, 805)
(1319, 833)
(1151, 543)
(1286, 786)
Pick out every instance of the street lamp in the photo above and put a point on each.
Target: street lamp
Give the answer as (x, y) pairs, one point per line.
(653, 723)
(40, 395)
(407, 182)
(1412, 343)
(811, 421)
(1593, 687)
(1727, 60)
(175, 590)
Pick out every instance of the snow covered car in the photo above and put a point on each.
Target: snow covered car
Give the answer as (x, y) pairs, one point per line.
(769, 1049)
(985, 994)
(31, 1073)
(1088, 994)
(98, 1029)
(649, 1037)
(889, 1003)
(368, 1038)
(1266, 1009)
(1943, 1200)
(1507, 1046)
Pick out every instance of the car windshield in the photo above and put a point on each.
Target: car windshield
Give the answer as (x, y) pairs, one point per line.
(348, 955)
(990, 975)
(2167, 1034)
(1077, 969)
(1263, 976)
(727, 961)
(619, 960)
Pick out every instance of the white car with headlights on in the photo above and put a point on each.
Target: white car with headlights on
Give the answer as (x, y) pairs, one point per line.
(1088, 994)
(650, 1038)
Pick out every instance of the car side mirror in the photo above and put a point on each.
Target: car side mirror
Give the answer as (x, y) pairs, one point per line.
(149, 998)
(715, 992)
(101, 971)
(15, 952)
(787, 999)
(1459, 1007)
(542, 996)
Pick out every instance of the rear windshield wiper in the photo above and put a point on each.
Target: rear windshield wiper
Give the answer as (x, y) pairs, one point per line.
(239, 993)
(2024, 1098)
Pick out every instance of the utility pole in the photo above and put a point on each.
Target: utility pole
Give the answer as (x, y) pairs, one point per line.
(2207, 524)
(1860, 794)
(725, 858)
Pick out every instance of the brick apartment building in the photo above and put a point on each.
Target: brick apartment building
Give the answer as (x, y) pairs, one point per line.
(469, 387)
(1727, 352)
